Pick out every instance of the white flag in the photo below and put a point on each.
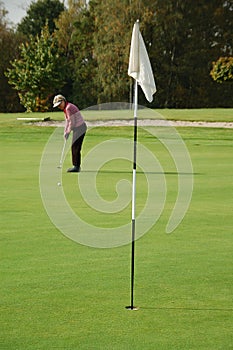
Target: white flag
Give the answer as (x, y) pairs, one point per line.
(139, 64)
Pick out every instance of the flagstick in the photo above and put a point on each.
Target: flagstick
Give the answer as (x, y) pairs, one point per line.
(140, 70)
(132, 307)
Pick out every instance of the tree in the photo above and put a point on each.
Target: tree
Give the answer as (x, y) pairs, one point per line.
(180, 42)
(73, 31)
(222, 70)
(85, 86)
(94, 42)
(184, 43)
(9, 42)
(112, 35)
(3, 13)
(37, 72)
(38, 14)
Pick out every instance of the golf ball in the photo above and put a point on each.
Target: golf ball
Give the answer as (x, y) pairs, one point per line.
(59, 184)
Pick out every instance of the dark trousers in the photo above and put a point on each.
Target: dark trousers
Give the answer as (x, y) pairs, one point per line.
(77, 141)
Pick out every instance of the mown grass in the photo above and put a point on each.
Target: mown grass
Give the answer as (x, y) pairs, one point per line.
(57, 294)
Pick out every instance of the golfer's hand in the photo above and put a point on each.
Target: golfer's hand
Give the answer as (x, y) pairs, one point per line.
(66, 136)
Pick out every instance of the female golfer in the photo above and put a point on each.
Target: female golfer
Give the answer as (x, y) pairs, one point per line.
(74, 122)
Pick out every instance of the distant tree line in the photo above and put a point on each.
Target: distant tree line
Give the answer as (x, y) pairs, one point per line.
(82, 51)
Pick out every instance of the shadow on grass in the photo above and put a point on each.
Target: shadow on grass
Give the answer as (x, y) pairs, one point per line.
(184, 308)
(138, 172)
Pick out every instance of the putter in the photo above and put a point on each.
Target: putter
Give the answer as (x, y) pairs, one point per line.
(62, 154)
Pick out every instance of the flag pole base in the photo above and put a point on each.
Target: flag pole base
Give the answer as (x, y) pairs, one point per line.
(133, 308)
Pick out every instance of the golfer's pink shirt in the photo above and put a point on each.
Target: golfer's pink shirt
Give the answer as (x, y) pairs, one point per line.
(73, 117)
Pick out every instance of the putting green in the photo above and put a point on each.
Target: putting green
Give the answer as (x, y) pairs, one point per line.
(58, 294)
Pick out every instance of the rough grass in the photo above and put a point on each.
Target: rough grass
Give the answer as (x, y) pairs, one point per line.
(204, 114)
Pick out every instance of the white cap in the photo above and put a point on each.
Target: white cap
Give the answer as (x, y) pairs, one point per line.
(58, 100)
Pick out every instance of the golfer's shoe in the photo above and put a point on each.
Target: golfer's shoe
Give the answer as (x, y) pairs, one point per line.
(75, 169)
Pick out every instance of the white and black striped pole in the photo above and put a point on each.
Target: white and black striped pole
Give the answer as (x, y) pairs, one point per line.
(140, 70)
(132, 307)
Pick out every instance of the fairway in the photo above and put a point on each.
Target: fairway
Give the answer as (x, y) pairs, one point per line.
(59, 294)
